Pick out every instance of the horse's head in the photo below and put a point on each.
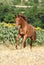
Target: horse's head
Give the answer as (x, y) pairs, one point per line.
(20, 19)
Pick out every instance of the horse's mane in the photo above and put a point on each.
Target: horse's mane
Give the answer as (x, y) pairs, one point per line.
(22, 16)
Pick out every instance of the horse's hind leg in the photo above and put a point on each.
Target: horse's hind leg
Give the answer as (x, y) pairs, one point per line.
(33, 38)
(31, 44)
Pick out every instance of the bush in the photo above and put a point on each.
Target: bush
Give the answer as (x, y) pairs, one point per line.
(3, 11)
(34, 14)
(10, 33)
(6, 13)
(9, 18)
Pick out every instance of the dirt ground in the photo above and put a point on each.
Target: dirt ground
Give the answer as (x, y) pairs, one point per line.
(11, 56)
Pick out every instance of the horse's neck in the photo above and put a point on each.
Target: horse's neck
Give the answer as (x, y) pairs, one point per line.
(24, 23)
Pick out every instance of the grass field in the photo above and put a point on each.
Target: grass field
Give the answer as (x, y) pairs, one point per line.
(25, 56)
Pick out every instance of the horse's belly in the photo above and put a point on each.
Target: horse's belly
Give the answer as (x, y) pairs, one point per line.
(30, 32)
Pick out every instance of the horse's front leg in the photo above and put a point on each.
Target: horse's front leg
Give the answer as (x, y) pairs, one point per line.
(24, 40)
(18, 37)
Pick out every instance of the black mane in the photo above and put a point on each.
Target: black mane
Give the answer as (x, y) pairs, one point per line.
(22, 16)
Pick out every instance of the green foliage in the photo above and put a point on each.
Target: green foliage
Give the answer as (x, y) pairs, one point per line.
(3, 11)
(10, 34)
(34, 14)
(6, 13)
(9, 18)
(40, 37)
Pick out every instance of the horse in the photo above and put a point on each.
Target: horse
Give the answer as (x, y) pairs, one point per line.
(26, 31)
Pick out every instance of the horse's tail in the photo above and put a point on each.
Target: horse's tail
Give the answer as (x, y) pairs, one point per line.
(35, 35)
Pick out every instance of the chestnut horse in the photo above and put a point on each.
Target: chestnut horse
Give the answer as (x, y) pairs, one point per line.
(26, 31)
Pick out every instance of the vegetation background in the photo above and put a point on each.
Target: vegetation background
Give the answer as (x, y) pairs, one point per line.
(34, 13)
(32, 9)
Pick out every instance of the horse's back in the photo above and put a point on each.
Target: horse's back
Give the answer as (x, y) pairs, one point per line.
(31, 27)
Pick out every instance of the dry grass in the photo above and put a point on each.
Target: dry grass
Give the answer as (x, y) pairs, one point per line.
(10, 56)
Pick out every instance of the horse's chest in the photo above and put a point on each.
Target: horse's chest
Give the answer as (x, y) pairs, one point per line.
(21, 31)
